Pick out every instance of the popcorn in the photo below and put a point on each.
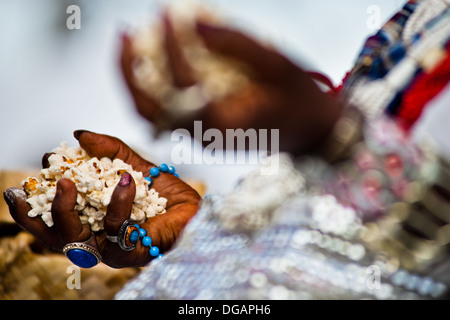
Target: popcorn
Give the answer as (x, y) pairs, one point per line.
(217, 76)
(95, 180)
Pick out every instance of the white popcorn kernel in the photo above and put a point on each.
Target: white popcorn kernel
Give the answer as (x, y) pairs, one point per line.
(118, 164)
(139, 215)
(55, 160)
(81, 188)
(162, 202)
(137, 176)
(34, 212)
(106, 198)
(78, 171)
(68, 174)
(47, 217)
(141, 192)
(88, 211)
(111, 182)
(78, 208)
(99, 215)
(50, 194)
(84, 219)
(94, 199)
(90, 185)
(54, 170)
(151, 211)
(41, 200)
(98, 185)
(44, 172)
(47, 207)
(97, 226)
(33, 202)
(81, 200)
(43, 186)
(109, 174)
(107, 162)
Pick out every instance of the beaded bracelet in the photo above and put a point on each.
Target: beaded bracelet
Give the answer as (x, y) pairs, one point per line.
(141, 233)
(154, 172)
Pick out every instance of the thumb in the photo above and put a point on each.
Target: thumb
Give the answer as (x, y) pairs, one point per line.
(101, 145)
(119, 209)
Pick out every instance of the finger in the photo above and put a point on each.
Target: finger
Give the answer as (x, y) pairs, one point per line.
(100, 145)
(119, 209)
(126, 60)
(145, 104)
(16, 199)
(67, 221)
(268, 64)
(182, 73)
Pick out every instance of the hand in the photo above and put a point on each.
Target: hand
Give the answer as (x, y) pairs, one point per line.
(282, 96)
(182, 204)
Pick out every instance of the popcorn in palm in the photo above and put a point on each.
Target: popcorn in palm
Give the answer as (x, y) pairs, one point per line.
(217, 76)
(95, 180)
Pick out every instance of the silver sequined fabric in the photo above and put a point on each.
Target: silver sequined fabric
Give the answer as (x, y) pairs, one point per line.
(289, 260)
(308, 249)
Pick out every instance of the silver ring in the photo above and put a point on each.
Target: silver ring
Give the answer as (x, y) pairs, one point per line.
(123, 234)
(112, 238)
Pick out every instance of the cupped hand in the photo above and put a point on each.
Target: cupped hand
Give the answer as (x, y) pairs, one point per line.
(182, 204)
(281, 96)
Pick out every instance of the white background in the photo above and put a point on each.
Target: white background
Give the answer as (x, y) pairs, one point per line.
(54, 80)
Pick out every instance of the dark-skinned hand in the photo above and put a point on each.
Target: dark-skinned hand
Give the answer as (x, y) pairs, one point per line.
(182, 204)
(282, 96)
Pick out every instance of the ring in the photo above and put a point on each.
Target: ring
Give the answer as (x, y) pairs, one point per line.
(123, 236)
(82, 254)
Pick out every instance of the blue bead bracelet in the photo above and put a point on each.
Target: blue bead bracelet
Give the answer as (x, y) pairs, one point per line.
(140, 233)
(155, 171)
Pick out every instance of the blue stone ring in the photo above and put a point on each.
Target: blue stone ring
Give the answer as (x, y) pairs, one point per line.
(82, 254)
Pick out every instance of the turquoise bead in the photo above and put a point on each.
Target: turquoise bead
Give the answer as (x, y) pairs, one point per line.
(154, 251)
(160, 256)
(154, 172)
(176, 175)
(142, 233)
(134, 236)
(147, 241)
(171, 169)
(149, 180)
(163, 167)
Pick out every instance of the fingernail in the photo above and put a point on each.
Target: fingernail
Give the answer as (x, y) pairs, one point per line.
(125, 179)
(77, 133)
(9, 199)
(10, 195)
